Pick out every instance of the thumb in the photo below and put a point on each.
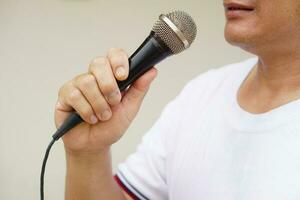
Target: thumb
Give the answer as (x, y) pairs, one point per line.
(134, 96)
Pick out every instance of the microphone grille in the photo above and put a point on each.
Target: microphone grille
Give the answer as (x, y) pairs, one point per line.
(177, 29)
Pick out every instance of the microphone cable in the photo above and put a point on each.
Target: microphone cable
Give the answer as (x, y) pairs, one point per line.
(44, 168)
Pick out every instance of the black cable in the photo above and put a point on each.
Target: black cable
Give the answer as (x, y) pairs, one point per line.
(69, 123)
(43, 168)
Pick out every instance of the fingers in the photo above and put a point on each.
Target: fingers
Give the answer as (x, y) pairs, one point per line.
(71, 97)
(88, 86)
(101, 69)
(91, 95)
(118, 59)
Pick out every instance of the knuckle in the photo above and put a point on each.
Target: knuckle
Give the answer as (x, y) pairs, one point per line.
(113, 50)
(119, 59)
(123, 53)
(117, 51)
(74, 95)
(87, 81)
(99, 61)
(94, 70)
(62, 90)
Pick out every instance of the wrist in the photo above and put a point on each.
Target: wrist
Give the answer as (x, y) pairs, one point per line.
(87, 158)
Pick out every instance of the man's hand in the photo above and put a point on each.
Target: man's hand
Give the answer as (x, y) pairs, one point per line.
(95, 96)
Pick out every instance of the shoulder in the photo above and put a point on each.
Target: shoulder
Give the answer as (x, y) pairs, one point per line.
(200, 97)
(213, 79)
(201, 90)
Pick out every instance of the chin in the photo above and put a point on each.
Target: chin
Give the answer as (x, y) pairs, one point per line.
(240, 37)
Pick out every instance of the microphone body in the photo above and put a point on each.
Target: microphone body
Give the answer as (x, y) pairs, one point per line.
(151, 52)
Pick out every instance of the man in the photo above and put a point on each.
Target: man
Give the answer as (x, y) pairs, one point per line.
(232, 133)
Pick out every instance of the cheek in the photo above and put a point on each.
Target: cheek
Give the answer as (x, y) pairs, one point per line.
(278, 16)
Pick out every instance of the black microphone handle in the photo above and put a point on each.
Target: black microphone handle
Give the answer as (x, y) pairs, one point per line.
(152, 51)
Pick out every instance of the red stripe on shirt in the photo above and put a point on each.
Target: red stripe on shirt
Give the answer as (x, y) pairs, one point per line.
(131, 194)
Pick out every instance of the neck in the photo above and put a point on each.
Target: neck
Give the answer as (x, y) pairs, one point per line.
(274, 82)
(279, 73)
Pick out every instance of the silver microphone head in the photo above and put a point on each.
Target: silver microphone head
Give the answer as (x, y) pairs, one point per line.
(176, 29)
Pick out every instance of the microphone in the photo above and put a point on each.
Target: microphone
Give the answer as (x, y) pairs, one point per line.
(171, 34)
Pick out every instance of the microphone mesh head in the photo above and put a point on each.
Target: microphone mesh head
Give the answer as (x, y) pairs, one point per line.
(184, 24)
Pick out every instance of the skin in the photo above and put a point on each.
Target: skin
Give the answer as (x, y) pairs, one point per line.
(107, 114)
(271, 32)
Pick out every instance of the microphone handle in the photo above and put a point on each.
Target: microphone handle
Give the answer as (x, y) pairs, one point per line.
(152, 51)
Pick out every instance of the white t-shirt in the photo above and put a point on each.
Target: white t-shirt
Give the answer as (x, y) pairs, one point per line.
(205, 146)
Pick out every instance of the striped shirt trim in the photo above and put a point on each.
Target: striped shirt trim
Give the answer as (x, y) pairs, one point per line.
(131, 189)
(122, 186)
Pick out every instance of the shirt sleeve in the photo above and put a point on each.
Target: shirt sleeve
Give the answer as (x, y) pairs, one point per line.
(142, 175)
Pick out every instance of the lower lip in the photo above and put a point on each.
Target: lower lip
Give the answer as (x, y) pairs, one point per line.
(235, 14)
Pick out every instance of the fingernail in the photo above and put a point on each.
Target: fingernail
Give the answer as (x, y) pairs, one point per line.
(113, 97)
(94, 119)
(106, 115)
(120, 71)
